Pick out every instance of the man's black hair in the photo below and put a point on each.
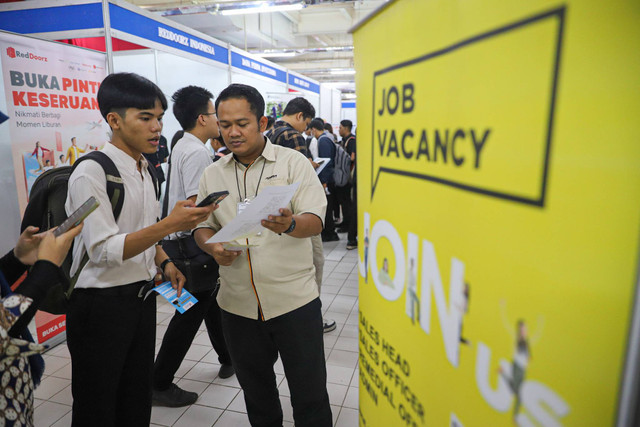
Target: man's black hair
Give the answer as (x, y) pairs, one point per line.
(299, 105)
(270, 121)
(188, 103)
(347, 123)
(317, 123)
(120, 91)
(246, 92)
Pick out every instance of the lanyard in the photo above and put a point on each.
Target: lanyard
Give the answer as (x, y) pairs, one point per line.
(245, 179)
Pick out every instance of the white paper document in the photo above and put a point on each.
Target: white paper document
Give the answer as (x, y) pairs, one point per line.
(322, 162)
(247, 223)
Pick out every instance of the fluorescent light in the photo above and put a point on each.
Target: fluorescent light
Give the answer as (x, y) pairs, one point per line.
(263, 9)
(342, 72)
(276, 54)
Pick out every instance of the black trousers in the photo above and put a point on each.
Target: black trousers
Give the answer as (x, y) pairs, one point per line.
(343, 201)
(297, 337)
(179, 336)
(352, 235)
(111, 338)
(329, 224)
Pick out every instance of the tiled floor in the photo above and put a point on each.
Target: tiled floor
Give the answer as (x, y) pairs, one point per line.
(221, 402)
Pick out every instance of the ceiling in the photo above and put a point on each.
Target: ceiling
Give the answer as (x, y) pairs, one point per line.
(312, 40)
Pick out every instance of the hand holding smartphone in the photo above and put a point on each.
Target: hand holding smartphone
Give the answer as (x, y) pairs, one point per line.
(214, 198)
(77, 217)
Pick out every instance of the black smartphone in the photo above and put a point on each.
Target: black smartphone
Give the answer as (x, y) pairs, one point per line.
(213, 198)
(77, 217)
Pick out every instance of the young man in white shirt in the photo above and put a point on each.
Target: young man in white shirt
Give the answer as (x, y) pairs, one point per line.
(194, 110)
(110, 323)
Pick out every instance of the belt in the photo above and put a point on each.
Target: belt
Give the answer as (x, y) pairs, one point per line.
(139, 289)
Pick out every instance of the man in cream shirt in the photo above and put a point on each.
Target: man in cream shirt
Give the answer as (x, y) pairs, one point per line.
(268, 294)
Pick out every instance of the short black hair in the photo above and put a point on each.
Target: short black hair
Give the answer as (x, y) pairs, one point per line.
(327, 126)
(317, 123)
(120, 91)
(299, 105)
(246, 92)
(347, 123)
(270, 121)
(188, 103)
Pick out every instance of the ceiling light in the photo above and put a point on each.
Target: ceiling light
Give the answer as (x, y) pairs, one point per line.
(276, 54)
(263, 8)
(342, 72)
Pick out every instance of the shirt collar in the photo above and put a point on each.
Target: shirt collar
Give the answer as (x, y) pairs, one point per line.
(269, 153)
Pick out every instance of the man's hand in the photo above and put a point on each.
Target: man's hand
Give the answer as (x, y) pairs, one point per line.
(185, 216)
(223, 256)
(54, 248)
(26, 249)
(176, 277)
(279, 224)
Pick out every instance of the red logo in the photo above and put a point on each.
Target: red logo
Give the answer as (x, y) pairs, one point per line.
(11, 52)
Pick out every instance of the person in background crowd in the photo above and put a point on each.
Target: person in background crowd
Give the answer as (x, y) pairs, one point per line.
(326, 149)
(194, 110)
(270, 121)
(329, 129)
(219, 147)
(349, 143)
(287, 132)
(158, 158)
(21, 366)
(269, 297)
(111, 319)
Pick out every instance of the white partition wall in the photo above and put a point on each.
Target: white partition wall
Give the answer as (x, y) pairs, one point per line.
(175, 72)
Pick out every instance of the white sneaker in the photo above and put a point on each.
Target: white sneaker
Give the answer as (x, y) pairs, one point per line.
(328, 325)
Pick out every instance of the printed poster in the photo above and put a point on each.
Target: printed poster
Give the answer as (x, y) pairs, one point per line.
(499, 211)
(51, 118)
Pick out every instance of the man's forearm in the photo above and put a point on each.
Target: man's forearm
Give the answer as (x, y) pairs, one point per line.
(201, 235)
(307, 225)
(139, 241)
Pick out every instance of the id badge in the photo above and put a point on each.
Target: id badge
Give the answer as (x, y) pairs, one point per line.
(243, 205)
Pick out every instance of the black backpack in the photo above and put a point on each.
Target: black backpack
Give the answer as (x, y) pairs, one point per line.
(46, 210)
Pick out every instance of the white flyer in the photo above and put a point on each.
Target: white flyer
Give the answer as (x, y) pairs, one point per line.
(248, 222)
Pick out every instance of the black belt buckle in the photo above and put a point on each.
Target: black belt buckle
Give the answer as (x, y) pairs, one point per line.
(146, 290)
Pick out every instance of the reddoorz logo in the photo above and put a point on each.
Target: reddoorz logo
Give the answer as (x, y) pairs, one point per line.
(12, 53)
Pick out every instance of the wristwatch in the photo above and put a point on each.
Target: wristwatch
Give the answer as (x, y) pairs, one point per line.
(164, 264)
(291, 227)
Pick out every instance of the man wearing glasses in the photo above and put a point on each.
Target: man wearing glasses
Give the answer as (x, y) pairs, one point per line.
(195, 112)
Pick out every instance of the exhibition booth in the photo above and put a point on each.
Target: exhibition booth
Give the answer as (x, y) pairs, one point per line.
(54, 55)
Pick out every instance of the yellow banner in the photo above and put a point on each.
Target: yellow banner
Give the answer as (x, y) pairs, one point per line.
(499, 209)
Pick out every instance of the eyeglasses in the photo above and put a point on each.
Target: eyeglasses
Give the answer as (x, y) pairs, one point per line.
(207, 114)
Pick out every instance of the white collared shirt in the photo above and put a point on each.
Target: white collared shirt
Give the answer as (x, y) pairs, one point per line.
(102, 235)
(189, 159)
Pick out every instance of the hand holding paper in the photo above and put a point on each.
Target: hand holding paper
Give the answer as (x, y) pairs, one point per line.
(249, 222)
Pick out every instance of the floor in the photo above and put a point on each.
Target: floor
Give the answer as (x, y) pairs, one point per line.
(221, 402)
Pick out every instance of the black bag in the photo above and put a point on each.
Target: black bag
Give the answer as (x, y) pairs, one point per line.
(46, 210)
(199, 268)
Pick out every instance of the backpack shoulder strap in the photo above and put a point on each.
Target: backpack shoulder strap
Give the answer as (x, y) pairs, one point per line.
(115, 186)
(154, 178)
(276, 133)
(115, 192)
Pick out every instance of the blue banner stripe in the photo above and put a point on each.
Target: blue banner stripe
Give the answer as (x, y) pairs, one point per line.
(305, 84)
(348, 105)
(138, 25)
(50, 19)
(245, 63)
